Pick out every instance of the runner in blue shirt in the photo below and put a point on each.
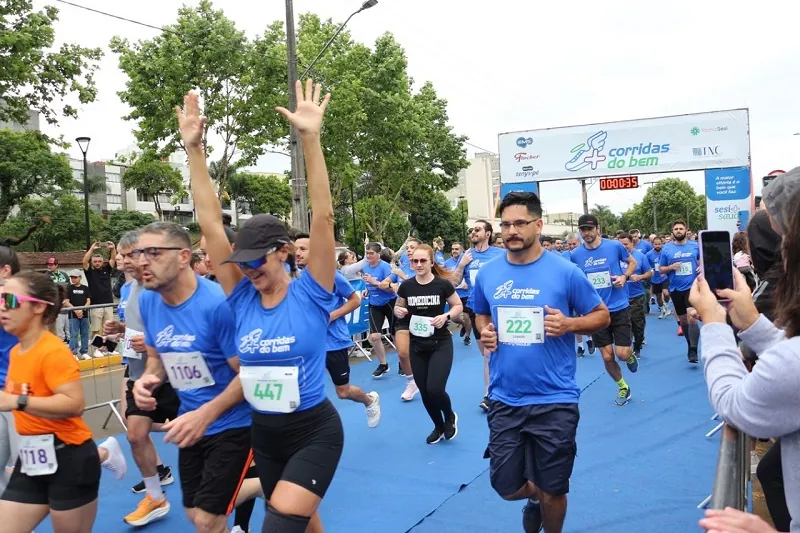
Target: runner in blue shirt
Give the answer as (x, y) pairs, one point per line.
(189, 335)
(637, 295)
(657, 288)
(377, 274)
(338, 342)
(600, 260)
(471, 262)
(297, 435)
(679, 262)
(9, 265)
(524, 302)
(456, 249)
(401, 334)
(642, 246)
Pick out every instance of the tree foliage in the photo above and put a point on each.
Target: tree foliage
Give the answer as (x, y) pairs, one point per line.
(154, 178)
(32, 75)
(29, 167)
(265, 193)
(238, 84)
(66, 230)
(376, 218)
(433, 217)
(123, 221)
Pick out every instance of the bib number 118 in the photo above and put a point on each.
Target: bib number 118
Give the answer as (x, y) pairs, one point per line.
(519, 326)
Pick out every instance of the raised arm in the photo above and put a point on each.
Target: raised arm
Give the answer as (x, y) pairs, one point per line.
(209, 211)
(307, 120)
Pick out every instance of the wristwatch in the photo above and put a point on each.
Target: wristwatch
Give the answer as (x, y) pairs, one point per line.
(22, 402)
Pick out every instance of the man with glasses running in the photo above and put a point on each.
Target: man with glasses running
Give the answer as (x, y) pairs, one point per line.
(189, 335)
(524, 303)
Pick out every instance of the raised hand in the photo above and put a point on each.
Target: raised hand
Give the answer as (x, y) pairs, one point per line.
(190, 123)
(307, 118)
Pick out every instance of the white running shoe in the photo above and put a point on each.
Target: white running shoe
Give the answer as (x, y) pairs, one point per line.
(410, 392)
(373, 410)
(116, 459)
(237, 529)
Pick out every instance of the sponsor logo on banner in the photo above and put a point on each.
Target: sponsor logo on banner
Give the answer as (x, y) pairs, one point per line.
(697, 131)
(728, 197)
(524, 142)
(707, 151)
(522, 156)
(590, 154)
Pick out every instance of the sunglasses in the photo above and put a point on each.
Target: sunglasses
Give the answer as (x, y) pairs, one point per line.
(418, 261)
(254, 264)
(9, 300)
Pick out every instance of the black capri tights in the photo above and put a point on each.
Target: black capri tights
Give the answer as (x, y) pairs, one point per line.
(431, 361)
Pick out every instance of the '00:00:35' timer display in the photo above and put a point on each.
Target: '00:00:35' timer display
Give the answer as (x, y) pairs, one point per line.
(613, 184)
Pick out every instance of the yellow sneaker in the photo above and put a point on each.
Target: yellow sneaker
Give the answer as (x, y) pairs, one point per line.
(148, 511)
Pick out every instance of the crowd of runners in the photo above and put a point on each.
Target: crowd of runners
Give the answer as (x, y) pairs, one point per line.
(225, 352)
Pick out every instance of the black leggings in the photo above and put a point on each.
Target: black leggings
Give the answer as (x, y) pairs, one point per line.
(770, 474)
(431, 361)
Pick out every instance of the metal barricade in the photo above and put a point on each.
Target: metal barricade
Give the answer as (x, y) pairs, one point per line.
(105, 361)
(732, 476)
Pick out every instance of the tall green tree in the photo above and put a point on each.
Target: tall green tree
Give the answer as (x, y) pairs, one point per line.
(32, 74)
(203, 50)
(154, 178)
(122, 221)
(265, 193)
(609, 222)
(29, 167)
(673, 199)
(433, 217)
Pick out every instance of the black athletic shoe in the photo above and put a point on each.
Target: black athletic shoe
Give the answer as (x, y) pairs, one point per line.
(485, 404)
(463, 331)
(400, 370)
(580, 351)
(590, 345)
(380, 371)
(532, 517)
(435, 436)
(693, 355)
(467, 341)
(451, 427)
(164, 476)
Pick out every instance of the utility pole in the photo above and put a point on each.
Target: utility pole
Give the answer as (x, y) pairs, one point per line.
(585, 197)
(299, 197)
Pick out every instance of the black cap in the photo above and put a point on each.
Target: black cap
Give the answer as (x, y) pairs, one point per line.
(257, 237)
(588, 221)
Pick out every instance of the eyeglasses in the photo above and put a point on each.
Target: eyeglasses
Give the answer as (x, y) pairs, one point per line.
(151, 252)
(418, 261)
(9, 300)
(518, 224)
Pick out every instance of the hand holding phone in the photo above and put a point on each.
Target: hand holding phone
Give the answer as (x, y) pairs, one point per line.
(716, 261)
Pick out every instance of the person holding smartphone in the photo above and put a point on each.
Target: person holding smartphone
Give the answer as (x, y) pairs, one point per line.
(421, 303)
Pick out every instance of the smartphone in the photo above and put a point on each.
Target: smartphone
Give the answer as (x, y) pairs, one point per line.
(98, 341)
(716, 260)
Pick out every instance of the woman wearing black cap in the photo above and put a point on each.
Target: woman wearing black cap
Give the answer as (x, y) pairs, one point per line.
(297, 435)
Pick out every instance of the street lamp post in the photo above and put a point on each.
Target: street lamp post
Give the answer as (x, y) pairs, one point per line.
(300, 218)
(83, 144)
(462, 203)
(655, 220)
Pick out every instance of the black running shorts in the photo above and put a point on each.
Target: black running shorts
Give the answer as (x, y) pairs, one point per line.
(532, 443)
(303, 448)
(167, 404)
(617, 333)
(379, 315)
(212, 469)
(73, 485)
(680, 299)
(338, 364)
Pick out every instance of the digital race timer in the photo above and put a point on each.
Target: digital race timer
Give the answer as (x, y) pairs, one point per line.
(613, 184)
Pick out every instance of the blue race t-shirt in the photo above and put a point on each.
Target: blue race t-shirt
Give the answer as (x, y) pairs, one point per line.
(688, 255)
(529, 368)
(452, 264)
(381, 271)
(203, 325)
(338, 333)
(124, 294)
(7, 341)
(600, 265)
(655, 261)
(566, 255)
(478, 260)
(438, 257)
(287, 335)
(636, 288)
(643, 247)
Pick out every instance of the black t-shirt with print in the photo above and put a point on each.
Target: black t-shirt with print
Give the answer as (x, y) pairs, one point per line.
(99, 280)
(78, 296)
(428, 300)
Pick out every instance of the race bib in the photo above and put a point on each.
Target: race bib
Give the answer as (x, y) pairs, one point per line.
(37, 453)
(472, 275)
(127, 350)
(520, 325)
(685, 269)
(271, 388)
(420, 326)
(187, 371)
(600, 280)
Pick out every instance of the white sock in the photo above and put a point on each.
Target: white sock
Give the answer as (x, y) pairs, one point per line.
(410, 379)
(153, 487)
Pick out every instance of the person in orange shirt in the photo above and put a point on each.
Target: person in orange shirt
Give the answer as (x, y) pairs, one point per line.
(58, 468)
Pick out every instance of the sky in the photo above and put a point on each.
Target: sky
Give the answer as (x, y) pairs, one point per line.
(512, 65)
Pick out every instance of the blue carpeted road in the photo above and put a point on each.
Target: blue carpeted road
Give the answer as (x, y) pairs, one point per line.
(642, 467)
